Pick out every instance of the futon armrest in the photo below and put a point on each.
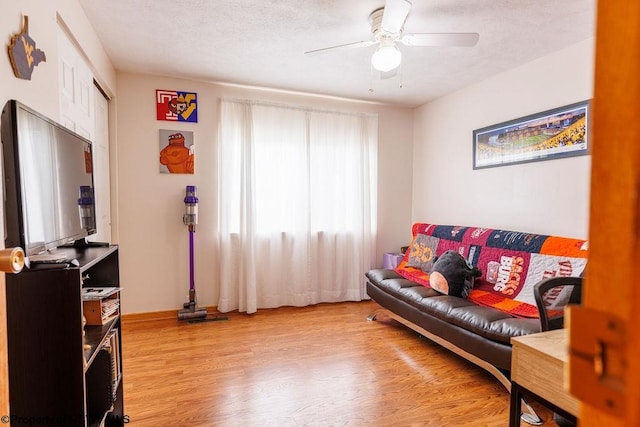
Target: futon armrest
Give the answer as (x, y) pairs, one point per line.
(555, 321)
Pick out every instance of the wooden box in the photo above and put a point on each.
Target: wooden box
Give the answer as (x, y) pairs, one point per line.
(98, 311)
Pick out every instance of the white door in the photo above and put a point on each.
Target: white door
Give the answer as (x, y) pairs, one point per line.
(76, 89)
(85, 110)
(101, 169)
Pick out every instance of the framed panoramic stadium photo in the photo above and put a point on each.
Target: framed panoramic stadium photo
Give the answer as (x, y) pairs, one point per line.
(561, 132)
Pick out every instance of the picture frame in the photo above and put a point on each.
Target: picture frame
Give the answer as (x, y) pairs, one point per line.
(176, 106)
(177, 151)
(552, 134)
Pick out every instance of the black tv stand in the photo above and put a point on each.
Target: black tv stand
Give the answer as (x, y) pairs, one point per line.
(62, 372)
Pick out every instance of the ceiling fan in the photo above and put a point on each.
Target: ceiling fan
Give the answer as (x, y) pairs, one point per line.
(387, 25)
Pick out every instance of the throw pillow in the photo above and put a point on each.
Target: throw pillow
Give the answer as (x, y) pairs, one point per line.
(422, 252)
(451, 275)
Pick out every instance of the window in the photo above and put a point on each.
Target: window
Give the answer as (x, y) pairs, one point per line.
(298, 175)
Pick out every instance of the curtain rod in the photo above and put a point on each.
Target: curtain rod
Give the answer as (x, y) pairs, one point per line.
(304, 108)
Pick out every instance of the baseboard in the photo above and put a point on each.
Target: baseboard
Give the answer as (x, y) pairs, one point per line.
(211, 310)
(157, 315)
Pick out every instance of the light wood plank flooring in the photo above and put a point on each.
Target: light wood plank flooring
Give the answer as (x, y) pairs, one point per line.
(323, 365)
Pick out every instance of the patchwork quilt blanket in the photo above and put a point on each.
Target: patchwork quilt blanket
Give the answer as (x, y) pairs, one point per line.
(511, 263)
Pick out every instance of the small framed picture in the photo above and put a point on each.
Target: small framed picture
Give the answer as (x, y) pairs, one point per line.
(177, 152)
(176, 106)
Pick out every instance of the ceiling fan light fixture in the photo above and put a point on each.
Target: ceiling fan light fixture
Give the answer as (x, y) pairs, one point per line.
(386, 58)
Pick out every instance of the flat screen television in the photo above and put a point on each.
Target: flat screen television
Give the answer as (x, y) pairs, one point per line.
(48, 186)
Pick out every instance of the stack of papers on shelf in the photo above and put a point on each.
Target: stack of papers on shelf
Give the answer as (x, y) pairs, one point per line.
(97, 293)
(110, 307)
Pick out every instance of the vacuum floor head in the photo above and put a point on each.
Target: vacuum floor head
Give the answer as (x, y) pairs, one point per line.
(190, 314)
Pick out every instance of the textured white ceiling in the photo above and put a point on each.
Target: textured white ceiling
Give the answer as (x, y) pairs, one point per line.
(261, 42)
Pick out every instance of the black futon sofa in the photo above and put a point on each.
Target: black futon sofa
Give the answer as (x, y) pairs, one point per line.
(470, 327)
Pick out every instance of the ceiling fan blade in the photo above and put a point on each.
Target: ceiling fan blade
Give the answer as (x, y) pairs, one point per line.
(395, 13)
(440, 39)
(342, 47)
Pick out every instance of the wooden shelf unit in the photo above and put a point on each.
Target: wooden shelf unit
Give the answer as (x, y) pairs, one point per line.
(57, 376)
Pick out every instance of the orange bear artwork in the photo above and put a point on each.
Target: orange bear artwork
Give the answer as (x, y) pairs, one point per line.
(176, 157)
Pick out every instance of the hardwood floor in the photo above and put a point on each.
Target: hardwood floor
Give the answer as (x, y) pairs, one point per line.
(323, 365)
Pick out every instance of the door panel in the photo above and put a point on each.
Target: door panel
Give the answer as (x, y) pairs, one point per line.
(75, 89)
(101, 169)
(4, 368)
(614, 253)
(85, 110)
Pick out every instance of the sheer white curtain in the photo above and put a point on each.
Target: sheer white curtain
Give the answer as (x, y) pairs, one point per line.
(297, 205)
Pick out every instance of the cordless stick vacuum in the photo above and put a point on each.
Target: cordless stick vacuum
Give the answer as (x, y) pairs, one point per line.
(190, 219)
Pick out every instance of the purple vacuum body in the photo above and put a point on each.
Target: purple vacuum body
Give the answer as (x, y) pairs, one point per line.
(190, 219)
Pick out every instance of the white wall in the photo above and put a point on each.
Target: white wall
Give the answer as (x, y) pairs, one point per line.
(41, 92)
(549, 197)
(45, 18)
(154, 242)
